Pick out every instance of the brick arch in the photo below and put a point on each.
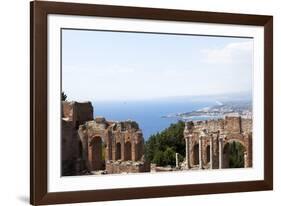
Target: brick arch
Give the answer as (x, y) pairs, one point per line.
(225, 150)
(236, 138)
(128, 151)
(195, 155)
(206, 153)
(95, 153)
(118, 151)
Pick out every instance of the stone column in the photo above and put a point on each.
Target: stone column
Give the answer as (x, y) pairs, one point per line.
(123, 150)
(220, 152)
(108, 149)
(113, 149)
(245, 160)
(90, 157)
(200, 152)
(211, 152)
(187, 152)
(177, 160)
(133, 151)
(249, 151)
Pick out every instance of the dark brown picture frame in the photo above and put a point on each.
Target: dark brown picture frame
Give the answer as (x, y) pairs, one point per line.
(38, 102)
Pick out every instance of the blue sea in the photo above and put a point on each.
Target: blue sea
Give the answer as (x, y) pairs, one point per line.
(148, 114)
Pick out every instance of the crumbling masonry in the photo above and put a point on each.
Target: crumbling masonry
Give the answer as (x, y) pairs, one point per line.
(207, 142)
(95, 144)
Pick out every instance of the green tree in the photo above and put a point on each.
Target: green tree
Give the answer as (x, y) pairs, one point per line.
(63, 96)
(158, 158)
(236, 155)
(150, 148)
(161, 148)
(170, 157)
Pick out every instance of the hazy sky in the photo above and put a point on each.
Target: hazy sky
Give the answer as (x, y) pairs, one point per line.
(124, 66)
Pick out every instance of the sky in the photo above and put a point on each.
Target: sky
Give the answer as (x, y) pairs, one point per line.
(106, 66)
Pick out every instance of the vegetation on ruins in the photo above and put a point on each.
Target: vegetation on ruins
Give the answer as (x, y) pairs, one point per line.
(161, 148)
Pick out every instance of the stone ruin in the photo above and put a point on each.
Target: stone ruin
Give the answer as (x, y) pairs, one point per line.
(97, 146)
(207, 142)
(92, 145)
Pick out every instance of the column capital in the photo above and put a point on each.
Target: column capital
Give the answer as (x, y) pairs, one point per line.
(187, 136)
(203, 133)
(222, 137)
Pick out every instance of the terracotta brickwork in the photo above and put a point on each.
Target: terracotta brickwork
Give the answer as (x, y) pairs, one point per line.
(127, 167)
(73, 114)
(207, 142)
(98, 144)
(76, 112)
(119, 141)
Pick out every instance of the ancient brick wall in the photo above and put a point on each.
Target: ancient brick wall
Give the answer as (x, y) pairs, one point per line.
(215, 137)
(232, 125)
(113, 167)
(204, 137)
(71, 150)
(97, 141)
(210, 125)
(246, 125)
(70, 140)
(67, 110)
(77, 113)
(121, 141)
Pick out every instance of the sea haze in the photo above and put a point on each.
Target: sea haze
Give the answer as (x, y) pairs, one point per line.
(147, 113)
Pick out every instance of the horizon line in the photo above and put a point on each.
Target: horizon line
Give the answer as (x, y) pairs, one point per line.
(235, 94)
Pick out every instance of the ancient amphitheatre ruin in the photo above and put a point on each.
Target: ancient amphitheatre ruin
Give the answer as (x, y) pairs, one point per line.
(94, 145)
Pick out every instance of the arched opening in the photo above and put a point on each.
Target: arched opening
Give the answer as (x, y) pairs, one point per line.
(233, 155)
(196, 154)
(96, 157)
(118, 151)
(103, 153)
(208, 153)
(128, 151)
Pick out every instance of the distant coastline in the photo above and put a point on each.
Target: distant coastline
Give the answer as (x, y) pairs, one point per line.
(148, 114)
(220, 110)
(156, 115)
